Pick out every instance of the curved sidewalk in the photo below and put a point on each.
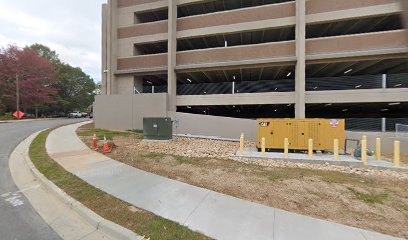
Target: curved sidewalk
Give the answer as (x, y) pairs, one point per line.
(214, 214)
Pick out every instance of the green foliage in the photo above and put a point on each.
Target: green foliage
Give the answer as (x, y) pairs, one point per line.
(46, 53)
(109, 134)
(76, 89)
(369, 197)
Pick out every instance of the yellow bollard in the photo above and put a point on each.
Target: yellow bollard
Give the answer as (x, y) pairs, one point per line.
(241, 144)
(397, 153)
(286, 148)
(310, 149)
(364, 137)
(263, 146)
(336, 149)
(378, 148)
(364, 151)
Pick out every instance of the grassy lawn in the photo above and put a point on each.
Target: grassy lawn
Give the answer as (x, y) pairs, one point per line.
(113, 209)
(89, 130)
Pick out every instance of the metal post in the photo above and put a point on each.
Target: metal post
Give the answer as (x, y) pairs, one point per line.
(378, 148)
(233, 87)
(336, 149)
(364, 150)
(310, 148)
(241, 144)
(17, 97)
(383, 125)
(152, 89)
(263, 146)
(286, 147)
(397, 153)
(384, 81)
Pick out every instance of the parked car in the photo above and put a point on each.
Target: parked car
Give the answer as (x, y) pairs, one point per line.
(75, 115)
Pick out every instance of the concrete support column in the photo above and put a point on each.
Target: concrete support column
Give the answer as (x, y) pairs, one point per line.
(384, 81)
(172, 50)
(104, 48)
(111, 54)
(300, 79)
(383, 125)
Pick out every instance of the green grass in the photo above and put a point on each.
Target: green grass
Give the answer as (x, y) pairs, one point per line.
(136, 131)
(369, 197)
(113, 209)
(108, 133)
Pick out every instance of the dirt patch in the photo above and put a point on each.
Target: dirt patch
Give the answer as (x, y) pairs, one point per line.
(190, 147)
(369, 199)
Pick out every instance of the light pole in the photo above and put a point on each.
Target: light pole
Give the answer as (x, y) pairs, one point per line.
(18, 97)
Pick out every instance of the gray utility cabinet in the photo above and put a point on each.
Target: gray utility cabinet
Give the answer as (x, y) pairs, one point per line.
(157, 128)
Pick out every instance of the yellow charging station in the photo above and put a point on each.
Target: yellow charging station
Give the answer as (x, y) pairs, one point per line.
(299, 131)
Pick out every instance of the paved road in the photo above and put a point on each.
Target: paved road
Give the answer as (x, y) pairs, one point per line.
(18, 220)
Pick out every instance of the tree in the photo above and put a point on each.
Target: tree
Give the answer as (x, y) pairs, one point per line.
(36, 78)
(46, 53)
(76, 89)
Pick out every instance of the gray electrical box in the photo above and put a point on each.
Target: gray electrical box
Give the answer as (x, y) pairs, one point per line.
(157, 128)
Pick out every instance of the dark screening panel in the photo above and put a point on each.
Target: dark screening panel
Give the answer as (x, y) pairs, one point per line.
(364, 124)
(397, 80)
(157, 89)
(204, 88)
(344, 83)
(286, 85)
(390, 123)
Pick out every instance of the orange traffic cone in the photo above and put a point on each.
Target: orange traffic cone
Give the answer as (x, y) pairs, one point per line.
(105, 145)
(94, 142)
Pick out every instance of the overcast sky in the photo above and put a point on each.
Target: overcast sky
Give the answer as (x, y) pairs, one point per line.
(70, 27)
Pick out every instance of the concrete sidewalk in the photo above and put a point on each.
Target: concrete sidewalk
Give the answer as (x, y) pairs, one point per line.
(214, 214)
(61, 217)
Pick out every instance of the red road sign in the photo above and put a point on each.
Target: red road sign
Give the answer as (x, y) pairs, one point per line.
(15, 114)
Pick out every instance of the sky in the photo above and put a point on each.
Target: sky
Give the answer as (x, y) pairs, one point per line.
(72, 28)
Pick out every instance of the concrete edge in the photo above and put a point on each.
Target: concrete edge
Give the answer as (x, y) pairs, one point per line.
(323, 162)
(110, 228)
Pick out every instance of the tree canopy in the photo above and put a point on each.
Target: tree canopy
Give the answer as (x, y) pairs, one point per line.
(46, 82)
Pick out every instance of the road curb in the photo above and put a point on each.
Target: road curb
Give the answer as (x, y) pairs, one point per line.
(99, 223)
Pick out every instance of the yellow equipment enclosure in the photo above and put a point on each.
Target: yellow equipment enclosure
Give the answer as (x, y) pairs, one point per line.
(299, 131)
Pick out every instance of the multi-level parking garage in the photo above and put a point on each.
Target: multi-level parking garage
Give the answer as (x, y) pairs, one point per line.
(260, 58)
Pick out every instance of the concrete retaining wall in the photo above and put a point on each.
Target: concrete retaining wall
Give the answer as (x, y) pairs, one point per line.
(196, 124)
(387, 140)
(123, 112)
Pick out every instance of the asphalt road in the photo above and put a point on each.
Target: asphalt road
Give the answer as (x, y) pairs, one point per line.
(18, 219)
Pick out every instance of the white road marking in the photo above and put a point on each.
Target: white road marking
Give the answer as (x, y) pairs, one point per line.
(15, 199)
(5, 195)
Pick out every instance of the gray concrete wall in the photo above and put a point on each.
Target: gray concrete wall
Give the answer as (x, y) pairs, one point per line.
(196, 124)
(125, 112)
(387, 140)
